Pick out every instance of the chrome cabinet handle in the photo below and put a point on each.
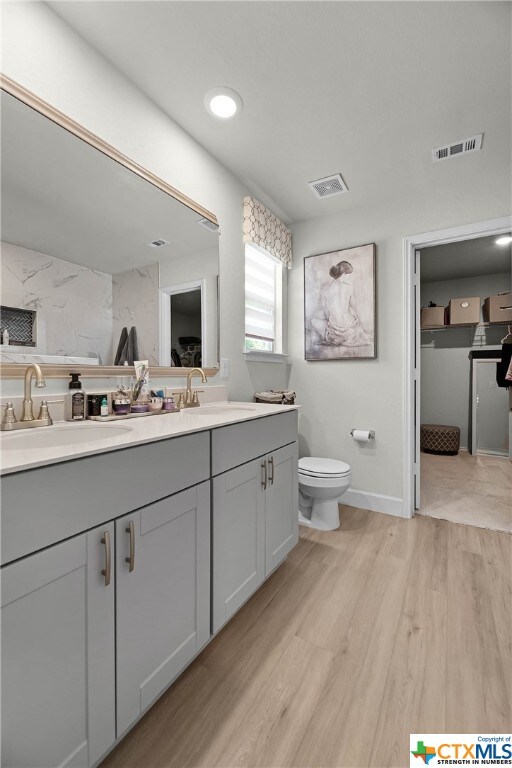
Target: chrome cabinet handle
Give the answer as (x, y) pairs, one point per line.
(264, 477)
(131, 559)
(271, 462)
(107, 570)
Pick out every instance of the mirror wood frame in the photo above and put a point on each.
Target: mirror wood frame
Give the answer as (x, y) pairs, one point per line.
(17, 370)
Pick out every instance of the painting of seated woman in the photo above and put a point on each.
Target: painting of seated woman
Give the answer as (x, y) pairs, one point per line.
(339, 304)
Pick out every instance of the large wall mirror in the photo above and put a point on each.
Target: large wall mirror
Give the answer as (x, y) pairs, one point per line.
(100, 265)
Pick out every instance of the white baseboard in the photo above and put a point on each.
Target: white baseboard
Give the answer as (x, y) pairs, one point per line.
(376, 502)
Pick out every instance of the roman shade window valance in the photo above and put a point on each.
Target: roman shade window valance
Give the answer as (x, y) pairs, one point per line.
(263, 229)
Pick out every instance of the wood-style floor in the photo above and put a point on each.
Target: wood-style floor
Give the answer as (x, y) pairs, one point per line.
(364, 635)
(475, 490)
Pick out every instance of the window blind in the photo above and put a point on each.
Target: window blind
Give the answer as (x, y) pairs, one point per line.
(260, 295)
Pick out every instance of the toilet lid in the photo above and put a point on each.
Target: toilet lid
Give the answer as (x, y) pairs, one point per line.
(317, 467)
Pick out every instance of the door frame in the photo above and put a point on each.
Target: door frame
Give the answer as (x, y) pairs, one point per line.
(411, 244)
(165, 317)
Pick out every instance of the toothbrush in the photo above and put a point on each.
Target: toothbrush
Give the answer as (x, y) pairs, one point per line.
(140, 382)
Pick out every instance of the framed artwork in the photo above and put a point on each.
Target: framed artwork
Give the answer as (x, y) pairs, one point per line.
(340, 320)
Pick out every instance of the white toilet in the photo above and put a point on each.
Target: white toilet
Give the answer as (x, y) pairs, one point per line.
(321, 483)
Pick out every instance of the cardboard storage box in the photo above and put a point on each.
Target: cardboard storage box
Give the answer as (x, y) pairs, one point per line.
(465, 311)
(492, 311)
(432, 317)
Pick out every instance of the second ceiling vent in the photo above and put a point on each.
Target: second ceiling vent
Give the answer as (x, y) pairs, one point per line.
(462, 147)
(328, 186)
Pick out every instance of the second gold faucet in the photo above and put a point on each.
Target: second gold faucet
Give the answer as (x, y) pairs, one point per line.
(191, 398)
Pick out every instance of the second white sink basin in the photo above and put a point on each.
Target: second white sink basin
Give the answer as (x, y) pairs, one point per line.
(234, 409)
(59, 435)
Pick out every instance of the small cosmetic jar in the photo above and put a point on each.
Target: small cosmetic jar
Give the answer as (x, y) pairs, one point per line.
(140, 407)
(94, 404)
(155, 404)
(121, 406)
(169, 404)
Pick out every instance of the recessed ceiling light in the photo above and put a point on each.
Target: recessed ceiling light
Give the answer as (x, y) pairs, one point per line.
(222, 102)
(506, 240)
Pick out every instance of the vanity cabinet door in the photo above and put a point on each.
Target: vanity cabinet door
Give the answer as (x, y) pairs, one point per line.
(163, 596)
(281, 506)
(238, 538)
(58, 685)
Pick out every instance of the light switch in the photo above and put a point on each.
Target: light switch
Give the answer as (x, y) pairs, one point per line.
(224, 368)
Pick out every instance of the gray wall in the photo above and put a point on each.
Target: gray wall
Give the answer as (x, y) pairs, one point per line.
(445, 367)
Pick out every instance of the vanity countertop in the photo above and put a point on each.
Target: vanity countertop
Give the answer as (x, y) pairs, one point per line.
(141, 430)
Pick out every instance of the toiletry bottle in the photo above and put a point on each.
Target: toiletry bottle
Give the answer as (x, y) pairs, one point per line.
(75, 401)
(5, 339)
(104, 407)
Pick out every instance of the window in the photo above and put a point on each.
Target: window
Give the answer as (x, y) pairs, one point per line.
(263, 301)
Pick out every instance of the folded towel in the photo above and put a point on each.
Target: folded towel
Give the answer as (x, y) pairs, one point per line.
(130, 350)
(133, 346)
(120, 347)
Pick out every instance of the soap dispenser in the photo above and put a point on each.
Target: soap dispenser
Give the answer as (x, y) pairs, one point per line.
(75, 401)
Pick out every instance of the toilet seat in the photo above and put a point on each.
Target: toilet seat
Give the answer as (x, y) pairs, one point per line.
(312, 466)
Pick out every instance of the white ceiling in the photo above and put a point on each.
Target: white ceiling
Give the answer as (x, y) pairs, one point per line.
(467, 258)
(362, 88)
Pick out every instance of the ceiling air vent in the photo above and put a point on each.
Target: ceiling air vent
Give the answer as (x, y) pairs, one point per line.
(159, 243)
(462, 147)
(328, 186)
(207, 224)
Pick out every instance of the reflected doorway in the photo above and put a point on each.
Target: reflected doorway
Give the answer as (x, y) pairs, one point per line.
(182, 325)
(186, 329)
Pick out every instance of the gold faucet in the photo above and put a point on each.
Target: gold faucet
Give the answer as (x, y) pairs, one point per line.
(27, 400)
(27, 420)
(191, 398)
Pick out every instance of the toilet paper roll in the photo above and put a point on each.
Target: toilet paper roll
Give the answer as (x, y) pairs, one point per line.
(362, 435)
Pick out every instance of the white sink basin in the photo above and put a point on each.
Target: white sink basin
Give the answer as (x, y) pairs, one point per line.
(59, 435)
(225, 410)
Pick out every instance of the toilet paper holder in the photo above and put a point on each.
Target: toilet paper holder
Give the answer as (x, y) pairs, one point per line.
(371, 433)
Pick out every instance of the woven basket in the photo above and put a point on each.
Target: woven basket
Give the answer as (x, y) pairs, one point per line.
(278, 396)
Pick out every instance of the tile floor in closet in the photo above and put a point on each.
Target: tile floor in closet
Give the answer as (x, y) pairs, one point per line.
(475, 490)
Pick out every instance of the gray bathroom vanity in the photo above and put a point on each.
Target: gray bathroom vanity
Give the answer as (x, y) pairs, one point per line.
(120, 562)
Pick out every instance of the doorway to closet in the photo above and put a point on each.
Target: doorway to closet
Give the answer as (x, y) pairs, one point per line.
(459, 388)
(464, 295)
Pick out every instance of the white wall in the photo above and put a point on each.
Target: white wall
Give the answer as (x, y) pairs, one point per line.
(42, 53)
(368, 394)
(445, 365)
(73, 304)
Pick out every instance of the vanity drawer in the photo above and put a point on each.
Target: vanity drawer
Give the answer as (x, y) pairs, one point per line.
(240, 443)
(46, 505)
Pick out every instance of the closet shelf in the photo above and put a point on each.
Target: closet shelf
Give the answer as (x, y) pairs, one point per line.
(433, 328)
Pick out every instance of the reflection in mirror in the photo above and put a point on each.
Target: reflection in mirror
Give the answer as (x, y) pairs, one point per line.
(186, 328)
(92, 254)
